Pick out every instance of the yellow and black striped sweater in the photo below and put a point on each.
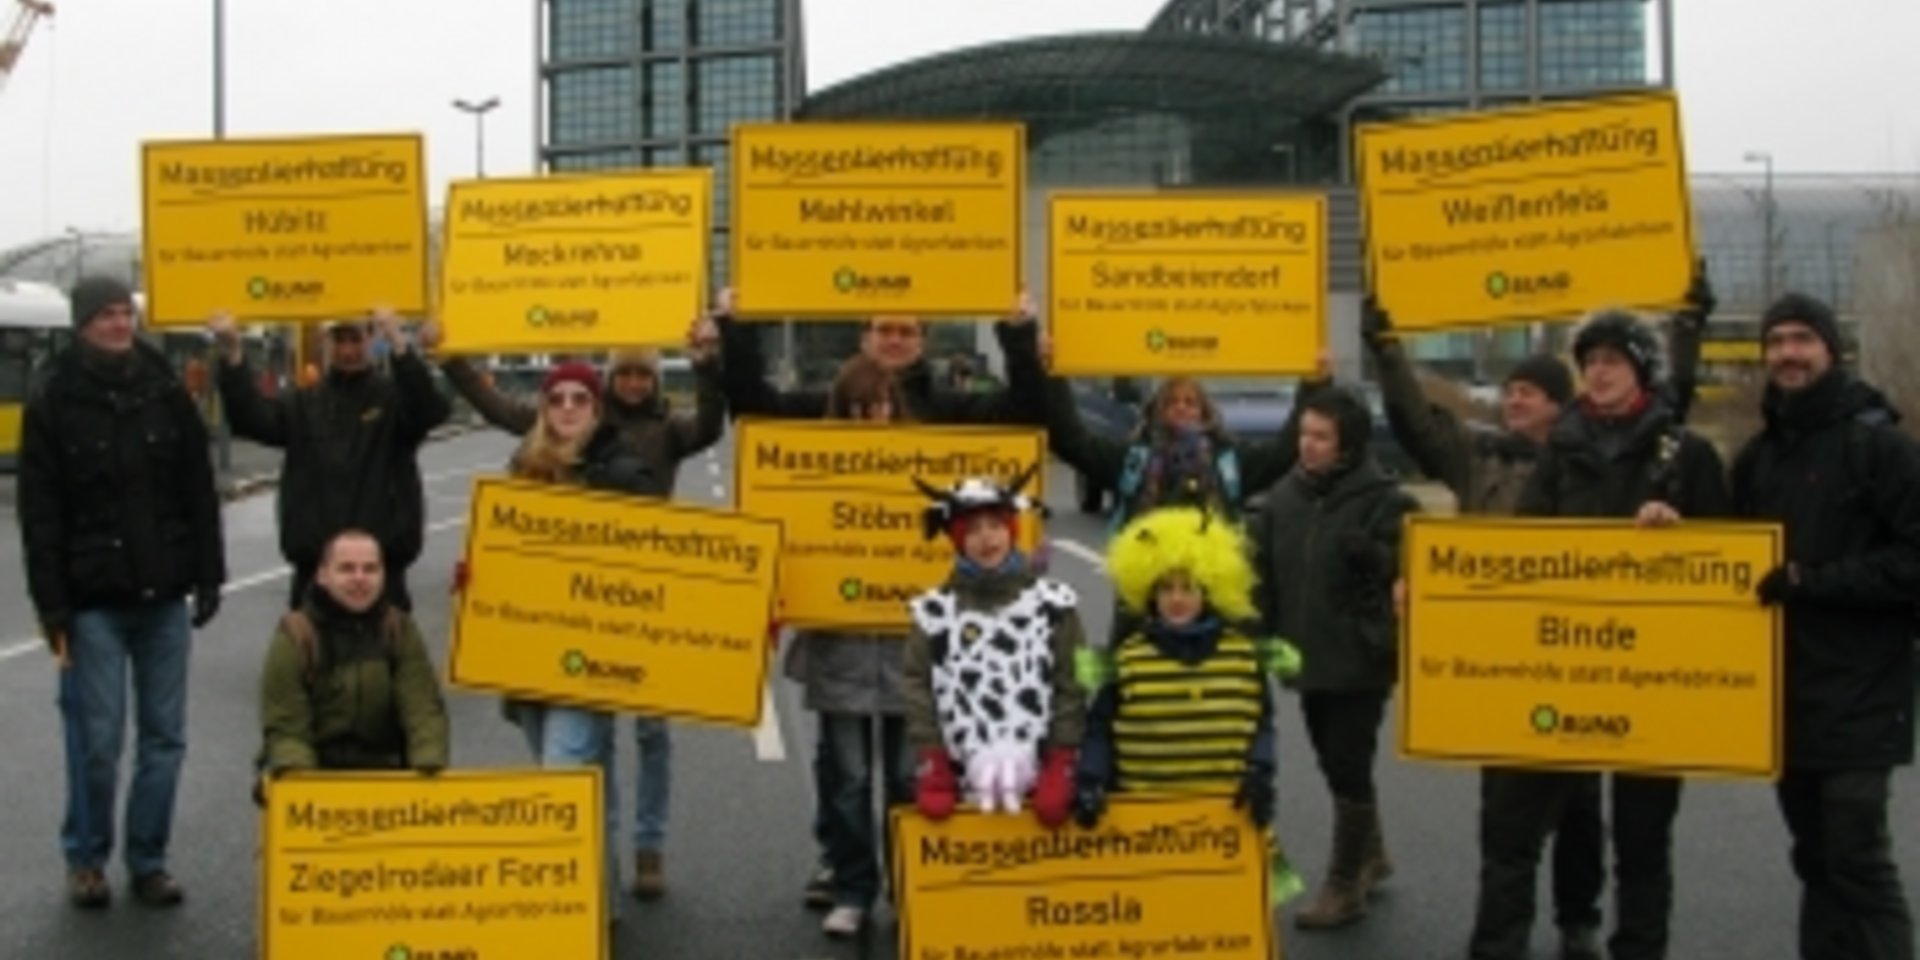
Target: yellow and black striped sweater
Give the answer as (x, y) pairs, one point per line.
(1182, 713)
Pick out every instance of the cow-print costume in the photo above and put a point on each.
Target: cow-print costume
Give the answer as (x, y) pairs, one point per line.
(993, 669)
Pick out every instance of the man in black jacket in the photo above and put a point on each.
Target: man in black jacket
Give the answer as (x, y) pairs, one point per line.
(1327, 549)
(119, 521)
(1831, 466)
(1619, 453)
(352, 445)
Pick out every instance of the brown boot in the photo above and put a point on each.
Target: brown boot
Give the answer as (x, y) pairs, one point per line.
(1341, 899)
(649, 880)
(1375, 868)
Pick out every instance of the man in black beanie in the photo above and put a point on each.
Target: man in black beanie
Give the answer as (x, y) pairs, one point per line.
(120, 523)
(1833, 468)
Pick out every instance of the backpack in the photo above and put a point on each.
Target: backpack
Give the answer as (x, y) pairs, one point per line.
(1226, 464)
(306, 639)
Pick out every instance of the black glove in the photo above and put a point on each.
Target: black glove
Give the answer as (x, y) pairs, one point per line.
(1375, 324)
(206, 605)
(1089, 802)
(1256, 795)
(1778, 586)
(1700, 298)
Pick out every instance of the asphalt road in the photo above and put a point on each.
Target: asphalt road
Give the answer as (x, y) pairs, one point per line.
(739, 846)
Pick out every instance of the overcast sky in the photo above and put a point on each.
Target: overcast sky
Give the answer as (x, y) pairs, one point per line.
(1826, 90)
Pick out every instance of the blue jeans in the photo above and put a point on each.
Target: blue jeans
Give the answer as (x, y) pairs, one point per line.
(856, 835)
(654, 737)
(154, 639)
(571, 737)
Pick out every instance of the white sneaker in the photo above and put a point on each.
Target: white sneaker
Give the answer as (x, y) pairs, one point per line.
(843, 922)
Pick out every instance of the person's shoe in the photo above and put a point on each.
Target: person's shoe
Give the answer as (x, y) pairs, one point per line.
(88, 889)
(157, 889)
(843, 922)
(649, 879)
(1580, 943)
(819, 894)
(1375, 868)
(1342, 898)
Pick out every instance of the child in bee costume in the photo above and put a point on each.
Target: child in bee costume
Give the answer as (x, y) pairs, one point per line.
(1182, 704)
(989, 671)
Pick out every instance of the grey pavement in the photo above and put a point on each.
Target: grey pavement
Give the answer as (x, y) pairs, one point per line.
(739, 844)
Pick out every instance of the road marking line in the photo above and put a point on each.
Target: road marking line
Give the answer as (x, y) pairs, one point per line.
(719, 493)
(768, 744)
(1081, 551)
(24, 647)
(713, 468)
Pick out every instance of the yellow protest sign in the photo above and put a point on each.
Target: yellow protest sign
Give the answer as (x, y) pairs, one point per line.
(396, 866)
(1591, 645)
(832, 220)
(311, 229)
(1192, 283)
(1156, 878)
(574, 262)
(855, 551)
(615, 602)
(1516, 216)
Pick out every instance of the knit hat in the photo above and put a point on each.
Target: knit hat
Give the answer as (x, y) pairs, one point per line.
(645, 357)
(91, 296)
(954, 509)
(572, 371)
(1801, 308)
(1548, 373)
(1207, 548)
(1624, 332)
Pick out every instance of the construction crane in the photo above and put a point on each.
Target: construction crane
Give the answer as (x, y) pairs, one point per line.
(24, 20)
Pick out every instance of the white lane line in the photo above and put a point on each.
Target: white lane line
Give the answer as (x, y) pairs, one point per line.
(713, 468)
(23, 647)
(719, 493)
(768, 745)
(1081, 551)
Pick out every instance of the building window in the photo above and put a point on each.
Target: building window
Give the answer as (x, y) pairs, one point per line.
(666, 100)
(593, 106)
(591, 160)
(1592, 43)
(592, 29)
(736, 22)
(717, 156)
(735, 89)
(1503, 47)
(666, 157)
(667, 23)
(1424, 50)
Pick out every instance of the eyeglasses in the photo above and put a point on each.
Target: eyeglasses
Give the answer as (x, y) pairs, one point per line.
(569, 398)
(641, 372)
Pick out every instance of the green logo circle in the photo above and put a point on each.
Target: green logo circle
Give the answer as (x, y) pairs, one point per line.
(257, 288)
(399, 951)
(846, 279)
(1156, 340)
(850, 589)
(1545, 719)
(1497, 285)
(575, 663)
(537, 316)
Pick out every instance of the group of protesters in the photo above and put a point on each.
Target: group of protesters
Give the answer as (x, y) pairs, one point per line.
(121, 523)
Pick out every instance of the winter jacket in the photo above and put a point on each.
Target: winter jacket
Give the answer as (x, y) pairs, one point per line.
(1327, 550)
(367, 700)
(927, 401)
(990, 594)
(352, 443)
(1600, 468)
(652, 433)
(1831, 466)
(117, 503)
(848, 673)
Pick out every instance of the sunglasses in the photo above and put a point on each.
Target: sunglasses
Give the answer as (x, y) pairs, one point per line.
(569, 398)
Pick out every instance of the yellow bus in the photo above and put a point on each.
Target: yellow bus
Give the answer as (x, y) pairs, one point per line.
(33, 323)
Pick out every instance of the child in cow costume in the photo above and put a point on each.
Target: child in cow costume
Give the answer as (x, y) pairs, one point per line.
(993, 707)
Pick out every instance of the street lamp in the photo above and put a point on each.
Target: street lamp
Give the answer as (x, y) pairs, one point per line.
(479, 112)
(1764, 157)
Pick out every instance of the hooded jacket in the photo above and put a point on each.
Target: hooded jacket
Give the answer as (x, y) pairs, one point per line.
(372, 702)
(651, 435)
(117, 499)
(352, 445)
(1598, 467)
(1831, 466)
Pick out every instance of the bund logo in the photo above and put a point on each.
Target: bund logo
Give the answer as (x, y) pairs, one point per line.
(856, 590)
(579, 666)
(285, 291)
(1547, 720)
(850, 281)
(1501, 285)
(1159, 341)
(540, 317)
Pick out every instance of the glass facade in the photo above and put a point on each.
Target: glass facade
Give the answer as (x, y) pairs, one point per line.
(660, 83)
(1425, 48)
(1592, 43)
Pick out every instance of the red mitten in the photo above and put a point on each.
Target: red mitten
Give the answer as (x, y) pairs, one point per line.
(460, 577)
(1053, 792)
(937, 792)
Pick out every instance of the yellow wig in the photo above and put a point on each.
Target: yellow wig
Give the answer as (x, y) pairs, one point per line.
(1210, 549)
